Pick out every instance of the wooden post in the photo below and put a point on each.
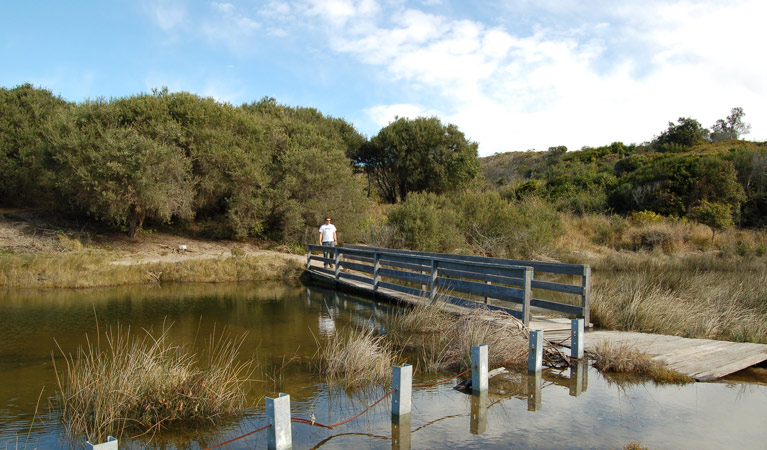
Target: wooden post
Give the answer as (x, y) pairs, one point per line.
(535, 359)
(433, 281)
(280, 435)
(586, 296)
(308, 257)
(336, 261)
(576, 338)
(376, 268)
(479, 368)
(487, 299)
(528, 295)
(402, 382)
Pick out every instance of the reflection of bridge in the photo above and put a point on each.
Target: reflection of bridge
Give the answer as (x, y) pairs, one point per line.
(524, 289)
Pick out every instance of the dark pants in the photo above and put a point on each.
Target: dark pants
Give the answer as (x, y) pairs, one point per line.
(328, 254)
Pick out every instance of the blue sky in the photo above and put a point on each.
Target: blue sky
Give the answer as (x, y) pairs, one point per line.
(513, 75)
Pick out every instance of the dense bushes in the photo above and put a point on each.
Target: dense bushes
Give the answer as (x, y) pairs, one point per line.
(474, 222)
(262, 169)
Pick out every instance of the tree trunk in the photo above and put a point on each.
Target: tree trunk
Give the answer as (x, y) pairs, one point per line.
(135, 221)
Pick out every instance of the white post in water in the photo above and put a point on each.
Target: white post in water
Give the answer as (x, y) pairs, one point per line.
(280, 434)
(535, 359)
(479, 368)
(110, 444)
(402, 382)
(576, 338)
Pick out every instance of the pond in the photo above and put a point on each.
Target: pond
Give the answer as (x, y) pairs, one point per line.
(564, 408)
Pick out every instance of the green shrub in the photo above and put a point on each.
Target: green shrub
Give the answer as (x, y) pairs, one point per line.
(427, 223)
(645, 217)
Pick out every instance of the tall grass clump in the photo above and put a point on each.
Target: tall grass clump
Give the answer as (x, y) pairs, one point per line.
(622, 358)
(132, 385)
(442, 339)
(356, 358)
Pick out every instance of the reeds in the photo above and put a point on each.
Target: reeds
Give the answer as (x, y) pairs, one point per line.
(138, 385)
(441, 340)
(627, 360)
(356, 358)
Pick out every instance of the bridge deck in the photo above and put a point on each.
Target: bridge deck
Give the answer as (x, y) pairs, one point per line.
(701, 359)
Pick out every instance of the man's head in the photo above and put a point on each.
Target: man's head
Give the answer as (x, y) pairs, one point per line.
(327, 219)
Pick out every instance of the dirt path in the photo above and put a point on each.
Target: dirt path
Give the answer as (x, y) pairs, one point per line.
(23, 231)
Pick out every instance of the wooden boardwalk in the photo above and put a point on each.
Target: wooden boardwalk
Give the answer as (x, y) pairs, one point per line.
(701, 359)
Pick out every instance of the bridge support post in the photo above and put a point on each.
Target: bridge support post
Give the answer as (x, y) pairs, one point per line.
(336, 265)
(433, 281)
(535, 358)
(586, 297)
(576, 338)
(376, 268)
(280, 434)
(479, 368)
(402, 383)
(308, 257)
(528, 295)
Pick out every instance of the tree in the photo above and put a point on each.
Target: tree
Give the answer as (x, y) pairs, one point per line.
(419, 155)
(110, 170)
(732, 127)
(686, 133)
(25, 112)
(717, 216)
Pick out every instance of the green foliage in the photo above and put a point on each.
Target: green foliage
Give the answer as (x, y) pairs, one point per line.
(262, 169)
(419, 155)
(25, 112)
(111, 162)
(427, 222)
(645, 217)
(476, 221)
(672, 184)
(686, 133)
(732, 127)
(717, 216)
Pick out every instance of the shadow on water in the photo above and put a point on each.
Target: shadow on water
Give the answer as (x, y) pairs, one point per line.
(575, 407)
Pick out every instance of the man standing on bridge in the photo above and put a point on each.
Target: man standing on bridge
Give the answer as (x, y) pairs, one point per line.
(328, 237)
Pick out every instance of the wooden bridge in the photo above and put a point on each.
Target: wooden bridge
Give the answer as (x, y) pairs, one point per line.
(469, 281)
(543, 295)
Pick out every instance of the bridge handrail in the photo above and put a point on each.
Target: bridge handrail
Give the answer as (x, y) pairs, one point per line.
(427, 271)
(580, 270)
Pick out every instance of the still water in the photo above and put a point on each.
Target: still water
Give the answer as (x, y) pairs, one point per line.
(570, 408)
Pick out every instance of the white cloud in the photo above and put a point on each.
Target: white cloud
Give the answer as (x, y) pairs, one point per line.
(576, 85)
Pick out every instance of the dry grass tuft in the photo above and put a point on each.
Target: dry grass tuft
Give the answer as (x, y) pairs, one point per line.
(138, 385)
(442, 340)
(356, 359)
(625, 359)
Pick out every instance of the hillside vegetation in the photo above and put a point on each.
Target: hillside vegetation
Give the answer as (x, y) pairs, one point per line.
(673, 228)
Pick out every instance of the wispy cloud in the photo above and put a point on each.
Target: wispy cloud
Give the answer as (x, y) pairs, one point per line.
(560, 85)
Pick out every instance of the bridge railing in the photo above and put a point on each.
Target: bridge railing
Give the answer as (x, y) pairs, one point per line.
(579, 289)
(427, 276)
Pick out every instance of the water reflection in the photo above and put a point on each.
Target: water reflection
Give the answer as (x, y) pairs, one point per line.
(284, 321)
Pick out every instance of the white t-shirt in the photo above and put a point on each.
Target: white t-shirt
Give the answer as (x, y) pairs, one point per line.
(327, 231)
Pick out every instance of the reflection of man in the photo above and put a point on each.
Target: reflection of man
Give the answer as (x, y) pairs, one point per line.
(328, 237)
